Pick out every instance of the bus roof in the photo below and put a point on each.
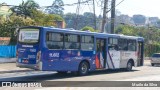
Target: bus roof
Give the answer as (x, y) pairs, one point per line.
(96, 34)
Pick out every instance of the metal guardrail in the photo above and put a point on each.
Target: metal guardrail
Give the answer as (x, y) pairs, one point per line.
(147, 58)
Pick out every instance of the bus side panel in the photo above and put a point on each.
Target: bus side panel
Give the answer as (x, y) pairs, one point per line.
(65, 60)
(126, 56)
(113, 59)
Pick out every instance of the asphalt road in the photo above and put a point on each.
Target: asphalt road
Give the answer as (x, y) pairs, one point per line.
(9, 72)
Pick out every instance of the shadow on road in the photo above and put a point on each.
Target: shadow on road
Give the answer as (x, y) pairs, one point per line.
(13, 71)
(55, 76)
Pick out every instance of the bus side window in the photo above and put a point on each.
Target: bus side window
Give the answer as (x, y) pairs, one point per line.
(113, 44)
(123, 44)
(54, 40)
(116, 47)
(87, 42)
(131, 45)
(72, 41)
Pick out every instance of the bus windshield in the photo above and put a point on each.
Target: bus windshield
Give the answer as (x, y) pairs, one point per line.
(28, 35)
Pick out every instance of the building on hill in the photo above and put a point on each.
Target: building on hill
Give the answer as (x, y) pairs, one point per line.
(124, 19)
(153, 21)
(5, 11)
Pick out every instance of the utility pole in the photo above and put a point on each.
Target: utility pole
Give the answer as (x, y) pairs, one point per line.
(95, 24)
(112, 15)
(104, 15)
(77, 15)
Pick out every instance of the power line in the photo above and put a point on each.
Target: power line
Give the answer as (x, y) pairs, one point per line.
(77, 14)
(99, 1)
(83, 2)
(95, 25)
(115, 6)
(104, 15)
(89, 6)
(112, 16)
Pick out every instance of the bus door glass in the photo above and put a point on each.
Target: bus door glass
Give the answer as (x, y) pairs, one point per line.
(124, 55)
(101, 53)
(113, 54)
(140, 53)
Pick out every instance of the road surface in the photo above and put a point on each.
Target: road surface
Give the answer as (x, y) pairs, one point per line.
(9, 72)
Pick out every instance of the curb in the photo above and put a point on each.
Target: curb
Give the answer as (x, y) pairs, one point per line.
(7, 60)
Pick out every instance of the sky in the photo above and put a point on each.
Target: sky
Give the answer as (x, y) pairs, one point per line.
(128, 7)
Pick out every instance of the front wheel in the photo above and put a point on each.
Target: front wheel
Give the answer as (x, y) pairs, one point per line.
(152, 64)
(83, 68)
(129, 66)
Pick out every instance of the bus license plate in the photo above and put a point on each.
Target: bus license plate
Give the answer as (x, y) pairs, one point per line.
(25, 61)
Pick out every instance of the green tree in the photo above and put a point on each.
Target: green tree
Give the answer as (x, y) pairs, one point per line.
(79, 21)
(86, 28)
(25, 9)
(26, 16)
(56, 7)
(7, 28)
(42, 19)
(150, 34)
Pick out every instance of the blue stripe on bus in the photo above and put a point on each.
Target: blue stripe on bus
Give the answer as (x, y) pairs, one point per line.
(111, 60)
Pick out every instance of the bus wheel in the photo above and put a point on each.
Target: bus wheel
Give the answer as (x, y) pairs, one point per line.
(152, 64)
(129, 66)
(83, 68)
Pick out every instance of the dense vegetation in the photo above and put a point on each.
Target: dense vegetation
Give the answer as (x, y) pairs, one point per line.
(150, 34)
(27, 13)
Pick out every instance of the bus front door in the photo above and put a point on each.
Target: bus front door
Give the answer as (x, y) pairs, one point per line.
(140, 53)
(100, 53)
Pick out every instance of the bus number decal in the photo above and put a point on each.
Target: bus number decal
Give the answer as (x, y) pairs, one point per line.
(53, 54)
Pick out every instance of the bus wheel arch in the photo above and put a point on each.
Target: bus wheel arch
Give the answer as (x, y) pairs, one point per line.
(87, 62)
(130, 64)
(131, 61)
(83, 67)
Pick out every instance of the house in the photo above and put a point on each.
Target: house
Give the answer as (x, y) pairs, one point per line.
(5, 10)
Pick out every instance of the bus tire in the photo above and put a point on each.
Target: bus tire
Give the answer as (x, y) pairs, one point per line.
(129, 65)
(83, 68)
(152, 64)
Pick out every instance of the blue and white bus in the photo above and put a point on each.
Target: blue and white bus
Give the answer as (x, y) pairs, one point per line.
(63, 50)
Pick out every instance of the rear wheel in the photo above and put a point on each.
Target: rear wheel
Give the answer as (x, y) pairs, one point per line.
(152, 64)
(129, 66)
(83, 68)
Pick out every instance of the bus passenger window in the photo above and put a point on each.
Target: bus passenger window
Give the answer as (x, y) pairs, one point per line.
(54, 40)
(112, 44)
(72, 41)
(123, 44)
(87, 42)
(131, 45)
(116, 47)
